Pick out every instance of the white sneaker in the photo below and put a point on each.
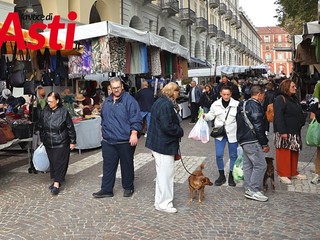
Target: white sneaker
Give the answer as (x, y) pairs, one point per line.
(257, 196)
(167, 210)
(285, 180)
(145, 135)
(300, 177)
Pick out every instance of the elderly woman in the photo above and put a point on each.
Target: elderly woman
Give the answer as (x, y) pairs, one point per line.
(163, 140)
(287, 124)
(58, 136)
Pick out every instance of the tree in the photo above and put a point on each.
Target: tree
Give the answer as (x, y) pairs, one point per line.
(292, 14)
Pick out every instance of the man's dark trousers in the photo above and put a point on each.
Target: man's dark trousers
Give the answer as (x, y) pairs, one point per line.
(194, 111)
(111, 154)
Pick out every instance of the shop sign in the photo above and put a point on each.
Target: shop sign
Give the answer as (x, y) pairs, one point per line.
(14, 20)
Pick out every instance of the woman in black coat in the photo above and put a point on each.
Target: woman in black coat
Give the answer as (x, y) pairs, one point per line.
(58, 135)
(288, 121)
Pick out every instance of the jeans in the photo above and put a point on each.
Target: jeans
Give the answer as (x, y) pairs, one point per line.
(148, 118)
(220, 145)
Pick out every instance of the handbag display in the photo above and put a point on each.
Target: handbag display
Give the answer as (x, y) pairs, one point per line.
(220, 131)
(7, 131)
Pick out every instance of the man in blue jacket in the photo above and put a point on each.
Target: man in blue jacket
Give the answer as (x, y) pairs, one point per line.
(121, 122)
(251, 137)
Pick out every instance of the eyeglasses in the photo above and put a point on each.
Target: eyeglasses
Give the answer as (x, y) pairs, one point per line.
(116, 88)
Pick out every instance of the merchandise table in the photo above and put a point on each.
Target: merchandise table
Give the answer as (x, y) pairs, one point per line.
(88, 133)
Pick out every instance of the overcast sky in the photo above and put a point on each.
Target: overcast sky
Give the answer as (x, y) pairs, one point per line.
(260, 12)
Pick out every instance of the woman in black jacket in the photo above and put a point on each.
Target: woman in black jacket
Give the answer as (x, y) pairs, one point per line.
(287, 124)
(207, 98)
(58, 135)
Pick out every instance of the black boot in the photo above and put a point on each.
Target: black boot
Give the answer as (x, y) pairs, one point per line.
(231, 180)
(221, 179)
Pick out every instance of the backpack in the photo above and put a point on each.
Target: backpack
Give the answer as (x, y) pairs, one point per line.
(270, 111)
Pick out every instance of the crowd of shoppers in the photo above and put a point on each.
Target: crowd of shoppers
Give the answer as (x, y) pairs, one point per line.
(244, 124)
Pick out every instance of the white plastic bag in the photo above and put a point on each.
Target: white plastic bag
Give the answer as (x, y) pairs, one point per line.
(200, 131)
(40, 159)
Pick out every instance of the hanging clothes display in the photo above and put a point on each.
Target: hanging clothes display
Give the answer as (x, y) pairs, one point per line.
(135, 58)
(114, 52)
(127, 67)
(100, 55)
(122, 54)
(306, 53)
(167, 63)
(155, 68)
(143, 58)
(87, 57)
(184, 64)
(75, 66)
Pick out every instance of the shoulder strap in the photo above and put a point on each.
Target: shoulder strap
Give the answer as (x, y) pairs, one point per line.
(246, 119)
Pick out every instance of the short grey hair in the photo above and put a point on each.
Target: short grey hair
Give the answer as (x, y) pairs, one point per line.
(256, 89)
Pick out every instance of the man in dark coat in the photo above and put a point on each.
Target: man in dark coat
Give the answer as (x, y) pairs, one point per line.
(251, 137)
(225, 82)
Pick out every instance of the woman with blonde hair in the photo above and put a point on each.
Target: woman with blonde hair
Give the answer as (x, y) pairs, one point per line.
(163, 139)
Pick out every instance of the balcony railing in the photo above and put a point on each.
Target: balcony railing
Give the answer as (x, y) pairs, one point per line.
(221, 35)
(170, 7)
(233, 42)
(212, 30)
(289, 60)
(201, 24)
(239, 24)
(214, 4)
(268, 60)
(234, 20)
(228, 15)
(227, 39)
(242, 47)
(222, 9)
(188, 16)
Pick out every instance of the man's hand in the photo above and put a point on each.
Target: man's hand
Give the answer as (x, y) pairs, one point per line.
(133, 138)
(72, 146)
(266, 149)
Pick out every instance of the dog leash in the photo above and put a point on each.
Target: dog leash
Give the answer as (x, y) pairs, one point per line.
(179, 152)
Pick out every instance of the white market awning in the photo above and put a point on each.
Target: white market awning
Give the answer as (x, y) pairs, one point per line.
(310, 28)
(233, 69)
(204, 72)
(105, 28)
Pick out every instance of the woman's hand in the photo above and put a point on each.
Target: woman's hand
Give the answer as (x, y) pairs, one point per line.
(72, 146)
(284, 136)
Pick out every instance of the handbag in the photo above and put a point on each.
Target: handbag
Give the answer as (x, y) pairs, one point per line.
(7, 131)
(220, 131)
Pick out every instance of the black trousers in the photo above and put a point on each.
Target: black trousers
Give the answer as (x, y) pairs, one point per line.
(59, 161)
(111, 154)
(194, 111)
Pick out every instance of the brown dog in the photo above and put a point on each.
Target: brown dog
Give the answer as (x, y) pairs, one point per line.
(197, 182)
(269, 174)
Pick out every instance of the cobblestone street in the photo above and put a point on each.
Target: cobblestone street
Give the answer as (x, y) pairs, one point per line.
(29, 211)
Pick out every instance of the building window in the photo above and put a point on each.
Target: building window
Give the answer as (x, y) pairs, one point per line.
(150, 25)
(280, 56)
(173, 34)
(268, 57)
(266, 38)
(279, 38)
(267, 47)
